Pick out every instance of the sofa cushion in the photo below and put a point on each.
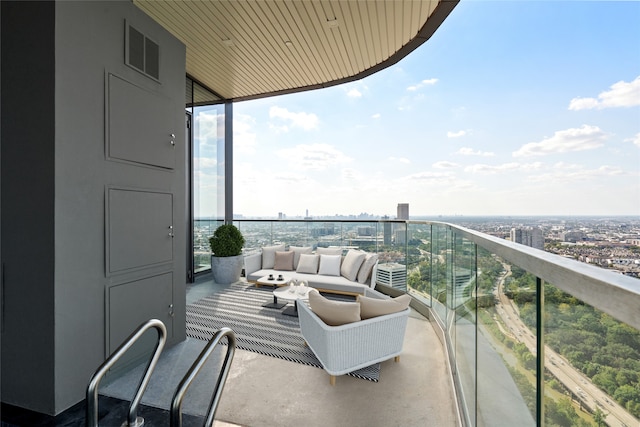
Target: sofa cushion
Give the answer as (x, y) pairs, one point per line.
(351, 264)
(308, 263)
(269, 255)
(299, 250)
(329, 251)
(330, 265)
(333, 313)
(365, 269)
(283, 261)
(373, 307)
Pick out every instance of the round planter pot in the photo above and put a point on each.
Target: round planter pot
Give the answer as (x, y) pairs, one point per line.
(226, 270)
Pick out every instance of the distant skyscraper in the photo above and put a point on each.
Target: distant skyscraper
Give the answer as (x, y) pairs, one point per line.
(530, 236)
(403, 211)
(387, 231)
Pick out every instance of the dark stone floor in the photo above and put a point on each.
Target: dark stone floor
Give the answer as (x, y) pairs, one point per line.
(111, 413)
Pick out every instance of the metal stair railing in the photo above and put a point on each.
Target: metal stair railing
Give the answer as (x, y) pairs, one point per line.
(92, 389)
(176, 403)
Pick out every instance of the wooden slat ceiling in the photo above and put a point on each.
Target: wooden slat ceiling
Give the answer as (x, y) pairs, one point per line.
(245, 49)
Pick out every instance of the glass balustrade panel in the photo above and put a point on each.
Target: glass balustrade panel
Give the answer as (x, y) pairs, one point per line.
(592, 364)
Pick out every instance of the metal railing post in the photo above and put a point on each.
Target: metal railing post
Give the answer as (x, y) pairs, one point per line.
(92, 388)
(178, 397)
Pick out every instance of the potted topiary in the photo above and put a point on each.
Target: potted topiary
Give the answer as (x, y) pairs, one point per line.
(226, 254)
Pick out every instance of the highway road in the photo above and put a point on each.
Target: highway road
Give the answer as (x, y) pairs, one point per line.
(589, 394)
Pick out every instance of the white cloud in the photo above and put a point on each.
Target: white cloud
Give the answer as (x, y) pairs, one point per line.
(620, 94)
(456, 134)
(423, 83)
(376, 116)
(564, 141)
(400, 159)
(350, 174)
(505, 167)
(635, 139)
(306, 121)
(563, 173)
(445, 165)
(466, 151)
(354, 93)
(200, 163)
(428, 178)
(210, 125)
(313, 156)
(244, 139)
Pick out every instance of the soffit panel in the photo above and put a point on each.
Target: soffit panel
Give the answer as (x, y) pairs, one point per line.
(243, 49)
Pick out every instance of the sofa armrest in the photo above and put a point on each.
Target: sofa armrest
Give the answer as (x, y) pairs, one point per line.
(374, 272)
(252, 263)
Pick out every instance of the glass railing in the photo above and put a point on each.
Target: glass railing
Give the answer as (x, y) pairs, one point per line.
(202, 230)
(532, 338)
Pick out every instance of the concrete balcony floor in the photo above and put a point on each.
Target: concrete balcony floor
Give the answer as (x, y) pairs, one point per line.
(270, 392)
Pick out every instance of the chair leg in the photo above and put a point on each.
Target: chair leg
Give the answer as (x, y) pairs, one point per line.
(332, 379)
(396, 359)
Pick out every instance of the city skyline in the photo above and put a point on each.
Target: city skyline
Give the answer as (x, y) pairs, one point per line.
(496, 114)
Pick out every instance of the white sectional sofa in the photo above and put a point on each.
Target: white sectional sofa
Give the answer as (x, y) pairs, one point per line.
(324, 269)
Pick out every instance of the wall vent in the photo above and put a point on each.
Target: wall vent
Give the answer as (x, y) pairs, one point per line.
(142, 53)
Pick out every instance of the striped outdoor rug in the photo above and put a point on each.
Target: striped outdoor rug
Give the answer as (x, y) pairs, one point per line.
(260, 330)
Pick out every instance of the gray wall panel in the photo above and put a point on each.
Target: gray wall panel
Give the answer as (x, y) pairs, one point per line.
(55, 59)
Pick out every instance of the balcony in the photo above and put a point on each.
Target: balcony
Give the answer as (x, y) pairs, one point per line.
(501, 334)
(528, 336)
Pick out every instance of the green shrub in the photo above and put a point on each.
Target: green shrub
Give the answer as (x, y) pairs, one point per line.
(226, 241)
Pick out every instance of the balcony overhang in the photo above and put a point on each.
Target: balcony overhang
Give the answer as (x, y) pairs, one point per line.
(247, 49)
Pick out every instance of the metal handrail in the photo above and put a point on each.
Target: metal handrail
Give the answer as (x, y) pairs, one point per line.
(92, 389)
(176, 403)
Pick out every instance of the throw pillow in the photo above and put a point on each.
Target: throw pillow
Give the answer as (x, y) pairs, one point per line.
(330, 265)
(269, 255)
(299, 250)
(373, 307)
(329, 251)
(351, 264)
(367, 266)
(333, 313)
(308, 263)
(284, 261)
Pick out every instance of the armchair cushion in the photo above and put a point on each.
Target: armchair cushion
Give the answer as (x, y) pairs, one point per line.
(333, 313)
(374, 307)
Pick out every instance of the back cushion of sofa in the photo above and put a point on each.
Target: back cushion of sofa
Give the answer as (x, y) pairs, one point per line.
(365, 269)
(351, 264)
(329, 251)
(330, 265)
(308, 263)
(299, 250)
(284, 261)
(269, 255)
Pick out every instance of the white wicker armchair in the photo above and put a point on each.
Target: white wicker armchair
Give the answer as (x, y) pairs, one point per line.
(346, 348)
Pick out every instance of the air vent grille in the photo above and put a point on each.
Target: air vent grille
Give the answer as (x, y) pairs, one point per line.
(142, 53)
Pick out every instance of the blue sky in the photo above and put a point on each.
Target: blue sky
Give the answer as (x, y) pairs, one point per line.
(511, 108)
